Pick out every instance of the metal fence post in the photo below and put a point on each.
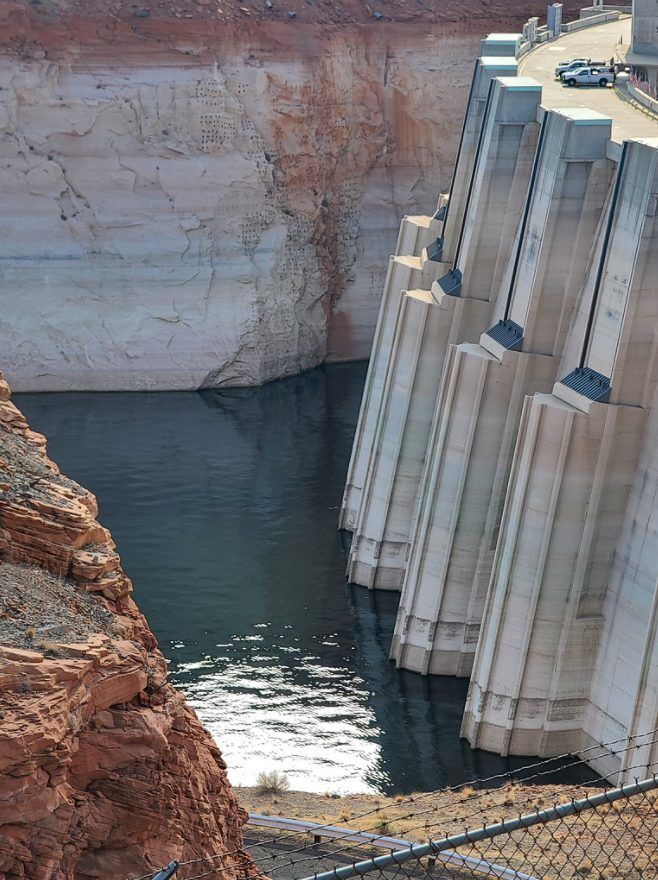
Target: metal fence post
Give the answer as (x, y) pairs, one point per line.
(168, 872)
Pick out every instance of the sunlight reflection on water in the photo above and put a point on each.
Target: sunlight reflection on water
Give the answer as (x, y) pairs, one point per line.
(224, 510)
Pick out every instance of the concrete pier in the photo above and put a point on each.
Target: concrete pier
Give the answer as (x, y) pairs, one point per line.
(476, 420)
(624, 692)
(536, 653)
(404, 272)
(486, 69)
(417, 233)
(547, 668)
(428, 322)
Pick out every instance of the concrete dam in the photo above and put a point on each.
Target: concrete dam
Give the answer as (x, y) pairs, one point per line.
(504, 474)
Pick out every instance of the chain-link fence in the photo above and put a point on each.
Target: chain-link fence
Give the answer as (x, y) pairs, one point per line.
(612, 834)
(607, 835)
(510, 828)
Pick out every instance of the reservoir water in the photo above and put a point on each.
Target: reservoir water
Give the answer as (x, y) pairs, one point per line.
(224, 506)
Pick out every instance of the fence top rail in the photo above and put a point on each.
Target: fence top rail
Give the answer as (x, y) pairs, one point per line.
(464, 791)
(319, 830)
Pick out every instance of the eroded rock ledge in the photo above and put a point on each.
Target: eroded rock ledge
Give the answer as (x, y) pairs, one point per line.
(104, 770)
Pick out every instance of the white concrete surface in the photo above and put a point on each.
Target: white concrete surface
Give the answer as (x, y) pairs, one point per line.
(623, 331)
(645, 27)
(486, 69)
(404, 272)
(425, 327)
(474, 429)
(573, 683)
(537, 651)
(532, 562)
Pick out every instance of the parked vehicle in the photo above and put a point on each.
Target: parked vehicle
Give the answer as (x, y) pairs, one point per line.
(570, 65)
(590, 76)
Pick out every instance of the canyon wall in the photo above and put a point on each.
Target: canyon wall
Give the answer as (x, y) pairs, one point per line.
(104, 770)
(201, 194)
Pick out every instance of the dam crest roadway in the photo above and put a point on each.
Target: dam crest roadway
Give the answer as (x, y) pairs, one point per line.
(605, 41)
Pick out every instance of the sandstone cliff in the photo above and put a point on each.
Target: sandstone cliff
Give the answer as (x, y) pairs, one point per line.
(206, 192)
(104, 770)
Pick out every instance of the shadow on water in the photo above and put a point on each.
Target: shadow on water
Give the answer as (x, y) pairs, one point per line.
(224, 508)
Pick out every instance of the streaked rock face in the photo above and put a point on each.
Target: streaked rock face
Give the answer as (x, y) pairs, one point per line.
(194, 201)
(104, 770)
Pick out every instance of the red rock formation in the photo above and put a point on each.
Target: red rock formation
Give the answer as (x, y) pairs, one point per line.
(105, 772)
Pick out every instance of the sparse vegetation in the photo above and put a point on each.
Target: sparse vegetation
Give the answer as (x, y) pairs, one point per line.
(272, 782)
(384, 824)
(49, 648)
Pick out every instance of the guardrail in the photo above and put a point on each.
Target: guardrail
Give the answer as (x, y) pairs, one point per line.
(535, 36)
(393, 844)
(331, 831)
(565, 842)
(590, 21)
(607, 7)
(642, 98)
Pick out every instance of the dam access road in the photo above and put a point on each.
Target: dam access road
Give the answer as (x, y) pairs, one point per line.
(612, 40)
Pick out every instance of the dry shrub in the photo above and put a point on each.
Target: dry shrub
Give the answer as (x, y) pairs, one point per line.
(272, 782)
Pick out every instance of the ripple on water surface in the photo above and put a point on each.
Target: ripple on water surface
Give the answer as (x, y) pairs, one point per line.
(224, 509)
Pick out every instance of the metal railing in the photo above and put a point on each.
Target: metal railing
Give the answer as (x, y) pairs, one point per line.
(608, 835)
(381, 841)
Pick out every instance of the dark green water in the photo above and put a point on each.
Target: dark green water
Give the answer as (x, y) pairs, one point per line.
(224, 508)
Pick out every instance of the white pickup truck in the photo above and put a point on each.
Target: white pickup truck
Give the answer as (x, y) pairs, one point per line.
(590, 76)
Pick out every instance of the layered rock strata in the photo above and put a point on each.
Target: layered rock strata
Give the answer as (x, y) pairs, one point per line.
(205, 194)
(104, 770)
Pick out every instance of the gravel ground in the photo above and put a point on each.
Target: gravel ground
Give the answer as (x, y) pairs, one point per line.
(38, 610)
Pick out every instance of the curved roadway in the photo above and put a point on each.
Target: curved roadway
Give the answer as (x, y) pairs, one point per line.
(600, 43)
